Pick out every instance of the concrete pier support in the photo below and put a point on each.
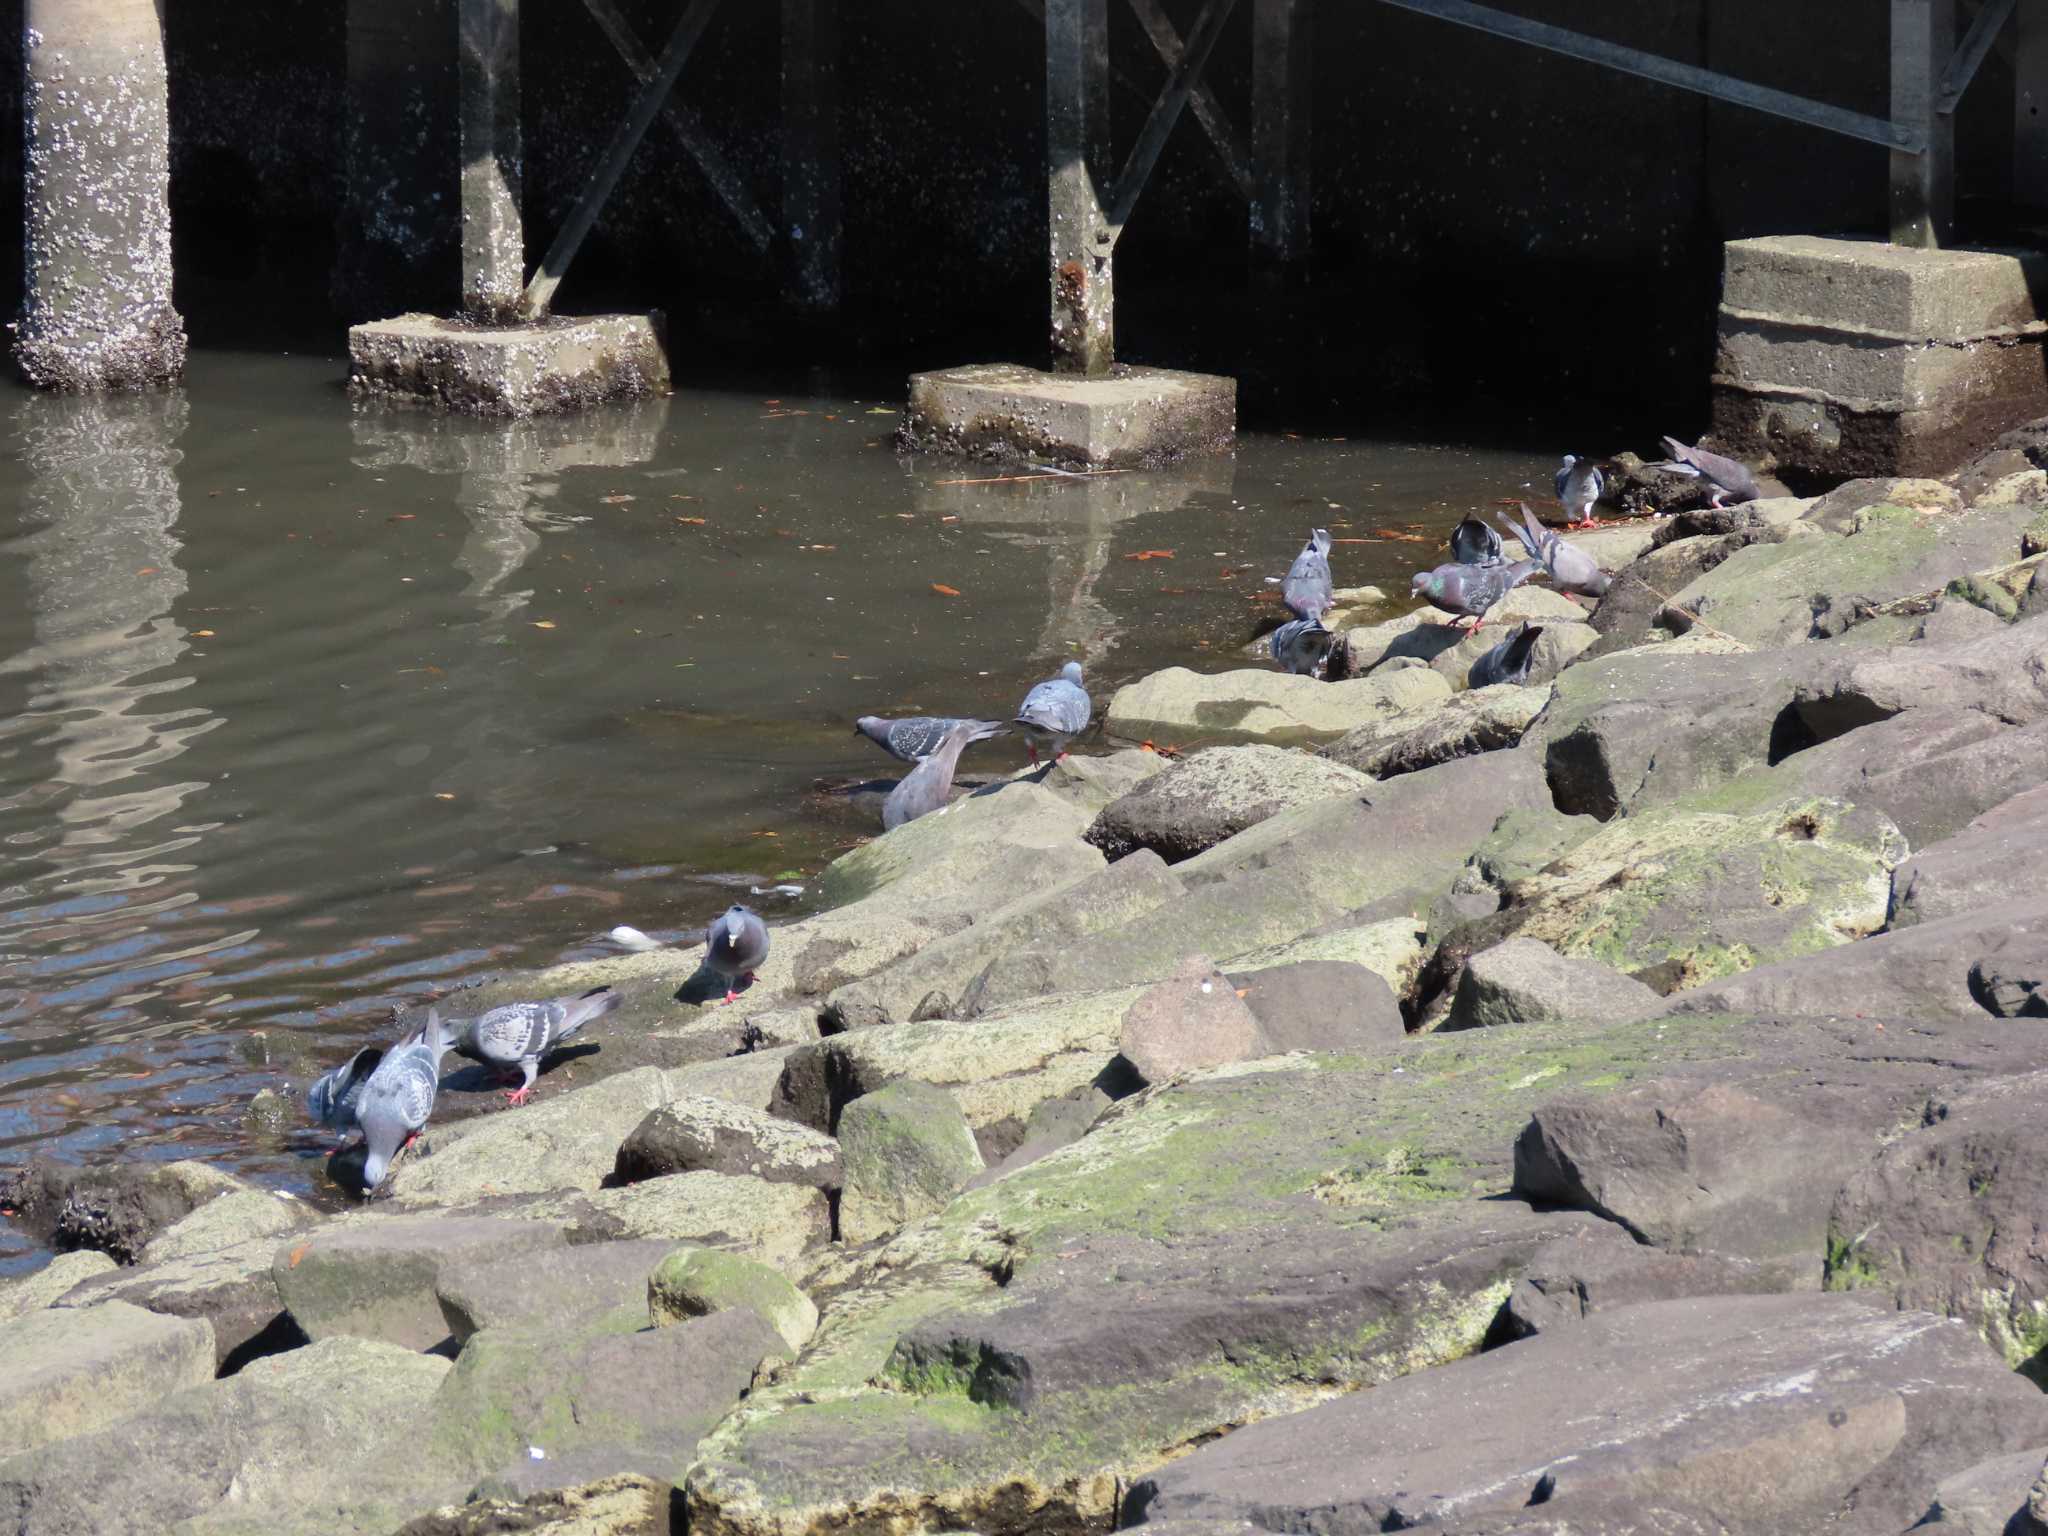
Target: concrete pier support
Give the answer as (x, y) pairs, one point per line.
(1078, 173)
(1923, 200)
(812, 215)
(493, 238)
(96, 312)
(1282, 80)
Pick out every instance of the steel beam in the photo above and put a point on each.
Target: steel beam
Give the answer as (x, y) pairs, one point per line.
(812, 220)
(2030, 105)
(1923, 189)
(1962, 69)
(493, 239)
(1077, 177)
(1202, 101)
(1282, 103)
(1180, 81)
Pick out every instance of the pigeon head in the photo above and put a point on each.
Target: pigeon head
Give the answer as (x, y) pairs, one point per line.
(383, 1134)
(1072, 672)
(320, 1099)
(865, 723)
(1424, 584)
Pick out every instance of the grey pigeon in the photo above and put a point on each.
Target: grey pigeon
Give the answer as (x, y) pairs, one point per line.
(919, 736)
(1725, 478)
(1579, 485)
(1471, 590)
(399, 1097)
(735, 945)
(1507, 662)
(332, 1097)
(1055, 711)
(1308, 591)
(517, 1035)
(1302, 646)
(927, 787)
(1570, 568)
(1473, 543)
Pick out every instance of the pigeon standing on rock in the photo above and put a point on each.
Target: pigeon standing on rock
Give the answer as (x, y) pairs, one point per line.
(1473, 543)
(1302, 646)
(736, 945)
(1579, 486)
(1570, 568)
(1308, 591)
(1057, 710)
(516, 1035)
(928, 786)
(333, 1096)
(399, 1097)
(1470, 590)
(1725, 478)
(1507, 662)
(919, 736)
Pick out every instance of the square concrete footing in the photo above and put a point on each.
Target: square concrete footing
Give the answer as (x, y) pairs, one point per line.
(563, 363)
(1853, 357)
(1131, 416)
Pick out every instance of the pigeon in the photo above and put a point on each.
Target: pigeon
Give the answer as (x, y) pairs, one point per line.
(1307, 590)
(399, 1097)
(735, 945)
(1507, 662)
(1471, 590)
(1570, 568)
(1473, 543)
(920, 735)
(333, 1096)
(1725, 478)
(1057, 709)
(927, 786)
(517, 1035)
(1579, 485)
(1302, 646)
(633, 941)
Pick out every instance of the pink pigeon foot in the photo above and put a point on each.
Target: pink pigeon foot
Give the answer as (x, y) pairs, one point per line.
(518, 1095)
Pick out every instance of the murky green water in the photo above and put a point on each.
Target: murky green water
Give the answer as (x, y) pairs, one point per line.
(309, 709)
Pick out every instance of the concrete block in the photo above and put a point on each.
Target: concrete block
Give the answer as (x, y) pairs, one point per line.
(562, 363)
(1854, 357)
(1132, 416)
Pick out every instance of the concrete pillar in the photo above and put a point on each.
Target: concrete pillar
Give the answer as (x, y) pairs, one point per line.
(812, 218)
(400, 235)
(96, 310)
(1282, 97)
(2030, 105)
(1078, 176)
(493, 239)
(1923, 187)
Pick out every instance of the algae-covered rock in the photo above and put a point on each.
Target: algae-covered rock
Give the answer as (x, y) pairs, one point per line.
(1215, 794)
(40, 1288)
(72, 1371)
(556, 1285)
(1481, 720)
(695, 1134)
(775, 1223)
(1182, 708)
(233, 1290)
(1521, 980)
(908, 1151)
(696, 1282)
(1562, 642)
(113, 1208)
(236, 1217)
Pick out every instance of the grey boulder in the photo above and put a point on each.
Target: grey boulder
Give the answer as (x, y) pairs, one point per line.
(1524, 979)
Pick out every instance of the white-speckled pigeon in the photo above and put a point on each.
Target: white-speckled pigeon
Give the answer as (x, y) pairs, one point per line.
(928, 786)
(399, 1097)
(920, 735)
(1473, 543)
(1308, 591)
(1302, 646)
(1507, 662)
(1569, 567)
(1055, 711)
(1726, 479)
(1579, 485)
(516, 1035)
(735, 945)
(1470, 590)
(332, 1097)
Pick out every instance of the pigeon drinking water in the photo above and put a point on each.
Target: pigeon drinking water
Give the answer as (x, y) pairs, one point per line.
(927, 787)
(1570, 568)
(918, 736)
(517, 1035)
(399, 1097)
(1473, 543)
(1307, 590)
(1470, 590)
(1579, 485)
(1057, 710)
(735, 945)
(1507, 662)
(1302, 646)
(1725, 478)
(332, 1097)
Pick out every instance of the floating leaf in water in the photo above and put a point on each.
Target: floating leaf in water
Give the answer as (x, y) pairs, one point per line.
(297, 1254)
(618, 498)
(543, 623)
(695, 522)
(442, 794)
(945, 591)
(202, 634)
(1151, 554)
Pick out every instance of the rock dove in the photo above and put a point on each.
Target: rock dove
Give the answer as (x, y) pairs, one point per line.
(1302, 646)
(927, 787)
(1057, 709)
(1473, 543)
(735, 945)
(333, 1096)
(1507, 662)
(1725, 477)
(1307, 591)
(517, 1035)
(1471, 589)
(920, 735)
(399, 1097)
(1569, 567)
(1579, 485)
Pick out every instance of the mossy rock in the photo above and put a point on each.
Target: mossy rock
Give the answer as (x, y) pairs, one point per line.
(696, 1282)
